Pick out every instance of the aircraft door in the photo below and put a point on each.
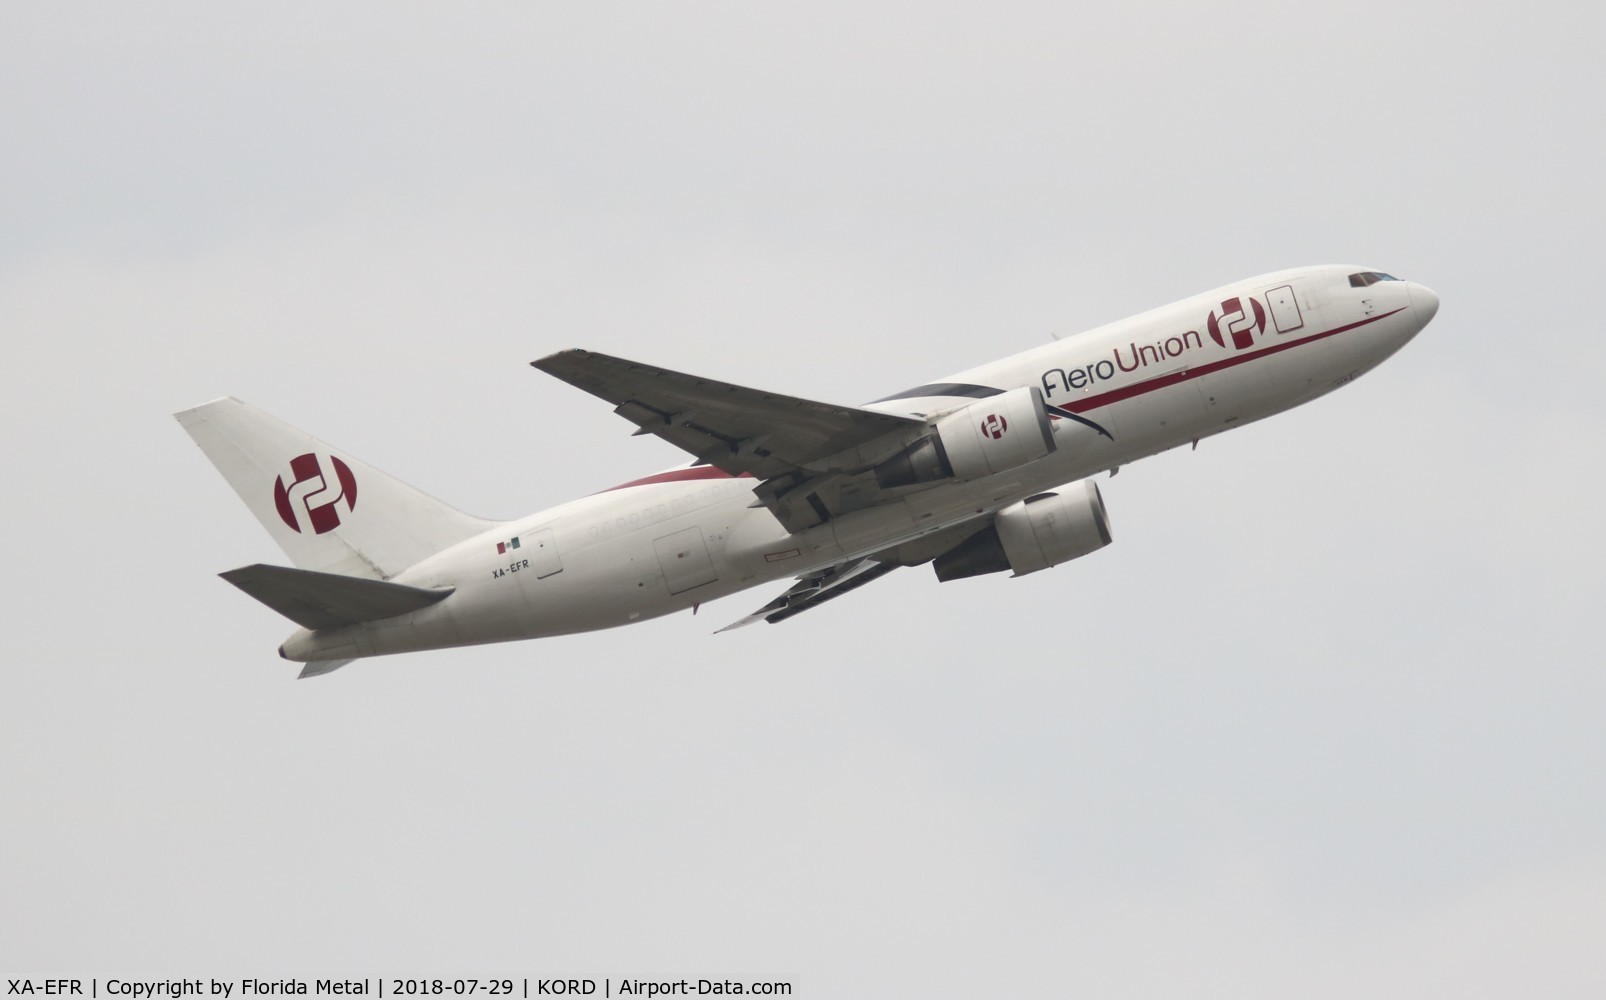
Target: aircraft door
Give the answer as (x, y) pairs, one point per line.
(683, 556)
(542, 551)
(1285, 314)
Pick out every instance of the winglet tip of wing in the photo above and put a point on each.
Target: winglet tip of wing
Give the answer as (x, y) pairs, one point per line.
(556, 356)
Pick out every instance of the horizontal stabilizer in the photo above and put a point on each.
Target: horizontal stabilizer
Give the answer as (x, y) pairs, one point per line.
(328, 600)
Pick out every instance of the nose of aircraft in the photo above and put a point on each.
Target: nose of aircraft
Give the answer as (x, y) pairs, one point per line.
(1424, 302)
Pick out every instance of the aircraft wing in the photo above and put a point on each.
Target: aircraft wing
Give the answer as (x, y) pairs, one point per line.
(815, 589)
(806, 452)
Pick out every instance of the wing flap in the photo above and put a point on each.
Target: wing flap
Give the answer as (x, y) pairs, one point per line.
(815, 589)
(328, 600)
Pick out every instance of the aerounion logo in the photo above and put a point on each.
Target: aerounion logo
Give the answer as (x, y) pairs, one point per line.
(312, 499)
(994, 426)
(1243, 323)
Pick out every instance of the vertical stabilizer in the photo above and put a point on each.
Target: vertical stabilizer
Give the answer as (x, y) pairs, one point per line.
(328, 511)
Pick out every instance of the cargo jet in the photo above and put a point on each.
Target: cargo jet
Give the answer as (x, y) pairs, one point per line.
(985, 471)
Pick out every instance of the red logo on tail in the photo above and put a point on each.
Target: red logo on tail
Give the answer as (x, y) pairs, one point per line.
(312, 499)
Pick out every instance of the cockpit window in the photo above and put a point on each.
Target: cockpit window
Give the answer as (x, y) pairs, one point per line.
(1361, 279)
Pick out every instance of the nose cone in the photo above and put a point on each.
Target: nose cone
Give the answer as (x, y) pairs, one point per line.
(1424, 303)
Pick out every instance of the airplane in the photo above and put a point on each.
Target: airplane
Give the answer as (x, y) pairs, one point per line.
(985, 471)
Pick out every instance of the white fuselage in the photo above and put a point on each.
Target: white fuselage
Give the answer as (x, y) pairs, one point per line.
(1128, 390)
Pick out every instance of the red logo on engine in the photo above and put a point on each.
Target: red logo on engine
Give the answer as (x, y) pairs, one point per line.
(1243, 323)
(994, 426)
(311, 499)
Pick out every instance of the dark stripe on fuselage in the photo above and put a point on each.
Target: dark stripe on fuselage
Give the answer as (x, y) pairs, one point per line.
(944, 389)
(968, 391)
(1067, 414)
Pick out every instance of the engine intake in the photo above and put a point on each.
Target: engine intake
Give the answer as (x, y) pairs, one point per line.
(1036, 533)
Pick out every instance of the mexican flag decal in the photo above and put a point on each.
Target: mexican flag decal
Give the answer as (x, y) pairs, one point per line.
(502, 547)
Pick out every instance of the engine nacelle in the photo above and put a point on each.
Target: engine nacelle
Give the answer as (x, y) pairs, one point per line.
(1036, 533)
(990, 435)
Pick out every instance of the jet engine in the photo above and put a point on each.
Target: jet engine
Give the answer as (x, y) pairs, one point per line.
(990, 435)
(1036, 533)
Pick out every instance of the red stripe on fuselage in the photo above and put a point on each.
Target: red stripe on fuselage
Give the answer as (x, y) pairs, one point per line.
(697, 472)
(679, 476)
(1139, 388)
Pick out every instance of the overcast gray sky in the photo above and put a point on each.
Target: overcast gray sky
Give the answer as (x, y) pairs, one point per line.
(1325, 721)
